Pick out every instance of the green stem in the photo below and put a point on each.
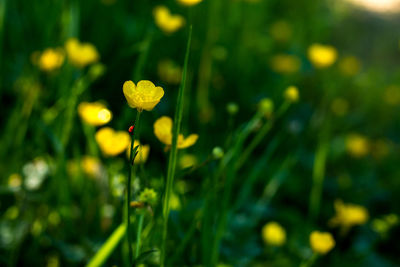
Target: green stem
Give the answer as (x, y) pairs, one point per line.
(129, 186)
(261, 135)
(173, 152)
(318, 177)
(139, 233)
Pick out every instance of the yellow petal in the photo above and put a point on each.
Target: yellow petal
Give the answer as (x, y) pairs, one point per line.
(163, 129)
(112, 142)
(189, 141)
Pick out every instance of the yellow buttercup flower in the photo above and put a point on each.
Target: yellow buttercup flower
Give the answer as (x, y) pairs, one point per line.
(51, 59)
(167, 22)
(321, 242)
(349, 66)
(189, 2)
(357, 145)
(285, 64)
(95, 113)
(291, 94)
(348, 215)
(274, 234)
(112, 142)
(143, 152)
(322, 56)
(145, 95)
(91, 166)
(81, 54)
(163, 131)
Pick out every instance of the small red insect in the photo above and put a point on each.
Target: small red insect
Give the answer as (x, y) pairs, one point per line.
(130, 130)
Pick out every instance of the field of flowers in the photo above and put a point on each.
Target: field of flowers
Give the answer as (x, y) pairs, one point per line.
(200, 133)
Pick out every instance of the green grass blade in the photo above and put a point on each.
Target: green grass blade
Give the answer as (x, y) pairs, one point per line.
(108, 247)
(173, 152)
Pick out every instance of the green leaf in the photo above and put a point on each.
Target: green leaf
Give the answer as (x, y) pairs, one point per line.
(108, 247)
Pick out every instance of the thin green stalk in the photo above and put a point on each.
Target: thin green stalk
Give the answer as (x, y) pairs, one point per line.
(108, 247)
(173, 152)
(129, 187)
(261, 134)
(139, 233)
(89, 132)
(318, 177)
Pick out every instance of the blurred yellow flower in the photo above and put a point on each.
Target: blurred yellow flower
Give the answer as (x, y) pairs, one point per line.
(143, 152)
(285, 64)
(91, 166)
(94, 113)
(349, 66)
(14, 180)
(51, 59)
(291, 94)
(266, 106)
(281, 31)
(392, 95)
(384, 224)
(81, 54)
(348, 215)
(174, 202)
(167, 22)
(163, 131)
(112, 142)
(340, 106)
(189, 2)
(321, 242)
(274, 234)
(187, 160)
(357, 145)
(322, 56)
(169, 71)
(145, 95)
(149, 196)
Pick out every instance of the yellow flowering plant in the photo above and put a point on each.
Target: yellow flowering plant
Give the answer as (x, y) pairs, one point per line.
(291, 94)
(167, 22)
(143, 96)
(95, 113)
(51, 59)
(274, 234)
(81, 54)
(357, 145)
(321, 242)
(322, 56)
(163, 131)
(112, 142)
(348, 215)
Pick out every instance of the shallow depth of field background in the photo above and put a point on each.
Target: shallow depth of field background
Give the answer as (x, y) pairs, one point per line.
(338, 142)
